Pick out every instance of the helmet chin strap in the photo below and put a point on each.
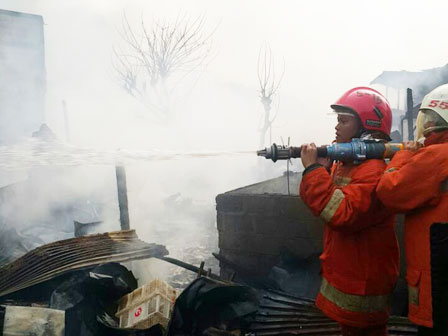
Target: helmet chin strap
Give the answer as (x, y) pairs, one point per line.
(362, 133)
(378, 136)
(366, 136)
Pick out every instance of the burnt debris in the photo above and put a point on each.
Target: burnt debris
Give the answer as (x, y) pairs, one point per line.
(214, 307)
(54, 259)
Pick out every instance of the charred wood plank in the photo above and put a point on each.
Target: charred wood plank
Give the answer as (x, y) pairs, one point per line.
(198, 270)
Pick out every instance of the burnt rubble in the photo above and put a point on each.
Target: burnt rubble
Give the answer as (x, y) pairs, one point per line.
(82, 279)
(216, 307)
(87, 300)
(51, 260)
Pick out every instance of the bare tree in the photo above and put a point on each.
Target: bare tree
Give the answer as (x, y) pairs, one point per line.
(269, 84)
(154, 60)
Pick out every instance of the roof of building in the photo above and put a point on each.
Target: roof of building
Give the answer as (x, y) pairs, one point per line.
(21, 29)
(275, 186)
(14, 13)
(421, 82)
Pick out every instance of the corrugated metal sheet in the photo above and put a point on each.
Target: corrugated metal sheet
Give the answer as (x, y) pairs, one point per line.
(281, 314)
(54, 259)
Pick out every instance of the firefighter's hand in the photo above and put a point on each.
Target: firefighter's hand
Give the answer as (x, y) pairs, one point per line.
(308, 154)
(412, 146)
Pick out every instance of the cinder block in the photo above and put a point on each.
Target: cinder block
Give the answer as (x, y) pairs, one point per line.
(246, 224)
(267, 225)
(235, 241)
(226, 240)
(229, 221)
(297, 209)
(220, 217)
(267, 205)
(227, 202)
(232, 221)
(235, 221)
(257, 265)
(287, 204)
(263, 244)
(296, 228)
(305, 228)
(302, 247)
(250, 243)
(315, 228)
(252, 204)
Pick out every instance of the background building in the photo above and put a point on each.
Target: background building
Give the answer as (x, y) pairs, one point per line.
(22, 75)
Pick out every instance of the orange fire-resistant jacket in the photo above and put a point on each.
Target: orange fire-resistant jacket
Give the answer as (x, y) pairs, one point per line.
(417, 184)
(360, 255)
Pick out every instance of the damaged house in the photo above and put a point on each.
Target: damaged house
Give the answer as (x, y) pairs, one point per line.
(408, 89)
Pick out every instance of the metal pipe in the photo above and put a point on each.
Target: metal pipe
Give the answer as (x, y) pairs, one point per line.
(410, 117)
(122, 197)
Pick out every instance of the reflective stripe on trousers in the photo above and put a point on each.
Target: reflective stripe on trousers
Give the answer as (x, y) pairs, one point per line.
(355, 303)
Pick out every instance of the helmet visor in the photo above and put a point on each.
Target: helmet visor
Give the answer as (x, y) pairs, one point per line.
(346, 113)
(427, 122)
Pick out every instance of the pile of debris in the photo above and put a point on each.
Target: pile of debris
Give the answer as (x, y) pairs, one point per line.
(78, 287)
(72, 286)
(213, 307)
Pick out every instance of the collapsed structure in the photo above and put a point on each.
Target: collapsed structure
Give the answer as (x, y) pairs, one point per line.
(408, 88)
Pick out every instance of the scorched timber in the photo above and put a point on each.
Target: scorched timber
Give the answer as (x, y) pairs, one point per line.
(54, 259)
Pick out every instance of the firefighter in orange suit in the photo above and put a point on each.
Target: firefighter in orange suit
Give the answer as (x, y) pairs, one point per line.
(416, 183)
(360, 259)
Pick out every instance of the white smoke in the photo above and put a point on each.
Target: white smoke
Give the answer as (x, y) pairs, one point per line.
(324, 57)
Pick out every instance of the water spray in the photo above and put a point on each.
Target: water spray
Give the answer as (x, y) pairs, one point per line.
(33, 152)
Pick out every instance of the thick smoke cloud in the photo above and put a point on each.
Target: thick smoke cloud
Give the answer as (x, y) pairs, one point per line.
(172, 201)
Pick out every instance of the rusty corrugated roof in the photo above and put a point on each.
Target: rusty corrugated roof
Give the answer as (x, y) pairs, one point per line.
(54, 259)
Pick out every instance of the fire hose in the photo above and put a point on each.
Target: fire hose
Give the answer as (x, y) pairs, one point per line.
(355, 151)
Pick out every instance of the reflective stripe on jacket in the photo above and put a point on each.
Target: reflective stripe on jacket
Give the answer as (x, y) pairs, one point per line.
(360, 256)
(416, 184)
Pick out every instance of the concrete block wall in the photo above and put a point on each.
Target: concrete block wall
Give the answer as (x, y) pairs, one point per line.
(256, 223)
(255, 228)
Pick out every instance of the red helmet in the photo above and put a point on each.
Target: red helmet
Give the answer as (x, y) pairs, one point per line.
(370, 106)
